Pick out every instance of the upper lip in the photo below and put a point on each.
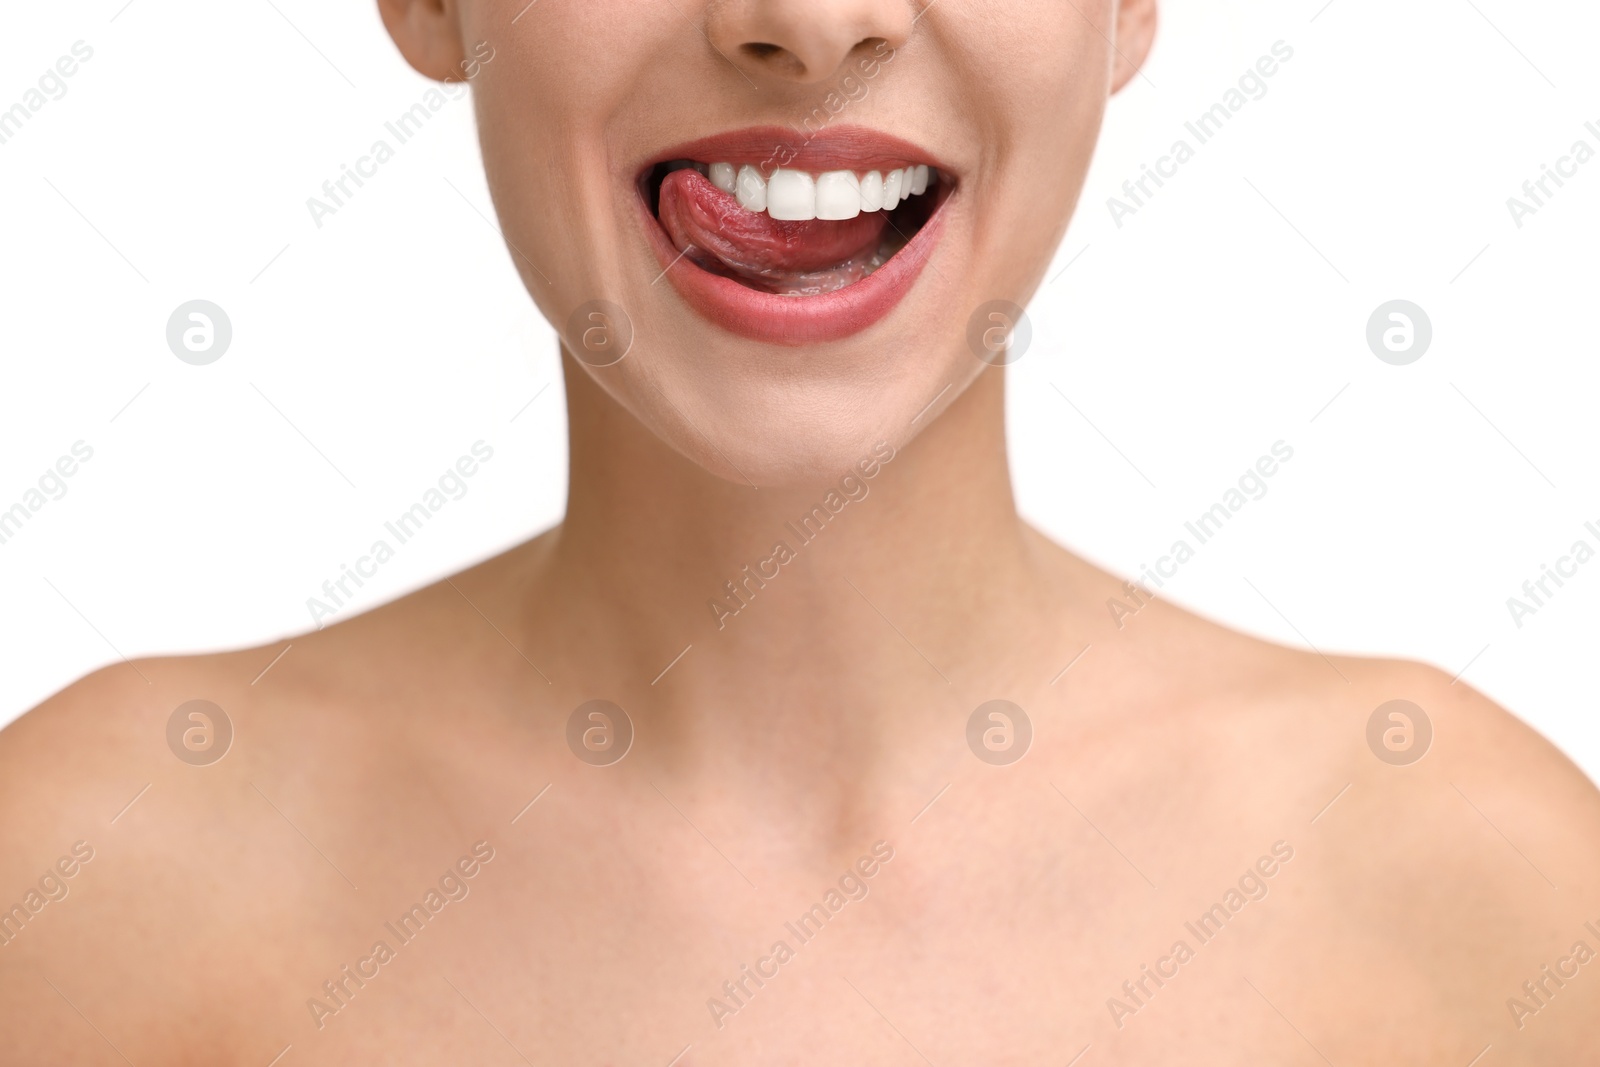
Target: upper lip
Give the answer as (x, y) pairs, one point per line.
(854, 148)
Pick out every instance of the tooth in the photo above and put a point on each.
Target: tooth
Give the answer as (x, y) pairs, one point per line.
(792, 195)
(838, 195)
(751, 189)
(722, 176)
(893, 189)
(919, 180)
(872, 192)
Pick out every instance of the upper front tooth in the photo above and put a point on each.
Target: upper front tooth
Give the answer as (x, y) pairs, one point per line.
(795, 195)
(792, 195)
(838, 195)
(893, 189)
(751, 189)
(872, 192)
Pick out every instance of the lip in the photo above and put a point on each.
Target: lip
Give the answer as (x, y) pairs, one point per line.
(798, 320)
(836, 148)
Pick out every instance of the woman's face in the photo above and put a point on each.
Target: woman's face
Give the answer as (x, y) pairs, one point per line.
(760, 342)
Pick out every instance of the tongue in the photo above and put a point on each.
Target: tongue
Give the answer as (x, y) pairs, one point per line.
(789, 258)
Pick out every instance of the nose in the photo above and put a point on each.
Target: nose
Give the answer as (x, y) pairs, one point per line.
(804, 41)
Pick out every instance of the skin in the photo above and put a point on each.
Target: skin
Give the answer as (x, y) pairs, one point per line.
(828, 715)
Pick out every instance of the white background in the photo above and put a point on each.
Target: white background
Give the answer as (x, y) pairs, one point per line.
(1226, 314)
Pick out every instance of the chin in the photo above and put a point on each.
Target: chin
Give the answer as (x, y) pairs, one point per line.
(778, 433)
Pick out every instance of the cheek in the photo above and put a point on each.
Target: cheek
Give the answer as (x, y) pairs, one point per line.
(564, 77)
(1037, 87)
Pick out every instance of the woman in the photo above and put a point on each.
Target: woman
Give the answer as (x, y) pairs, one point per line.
(793, 744)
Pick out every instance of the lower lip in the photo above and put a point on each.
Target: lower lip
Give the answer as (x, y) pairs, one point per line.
(797, 320)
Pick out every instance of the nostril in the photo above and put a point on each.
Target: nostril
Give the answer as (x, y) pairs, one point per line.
(760, 50)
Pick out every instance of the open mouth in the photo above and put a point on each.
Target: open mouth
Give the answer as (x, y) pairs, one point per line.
(792, 233)
(812, 250)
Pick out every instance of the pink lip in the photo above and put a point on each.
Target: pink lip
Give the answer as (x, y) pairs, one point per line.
(799, 320)
(835, 148)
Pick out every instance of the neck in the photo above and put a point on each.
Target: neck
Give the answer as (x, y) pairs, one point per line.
(821, 622)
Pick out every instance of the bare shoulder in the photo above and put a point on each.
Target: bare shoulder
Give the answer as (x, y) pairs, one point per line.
(158, 815)
(1451, 856)
(328, 697)
(82, 744)
(85, 875)
(65, 761)
(1410, 741)
(97, 755)
(161, 815)
(1446, 872)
